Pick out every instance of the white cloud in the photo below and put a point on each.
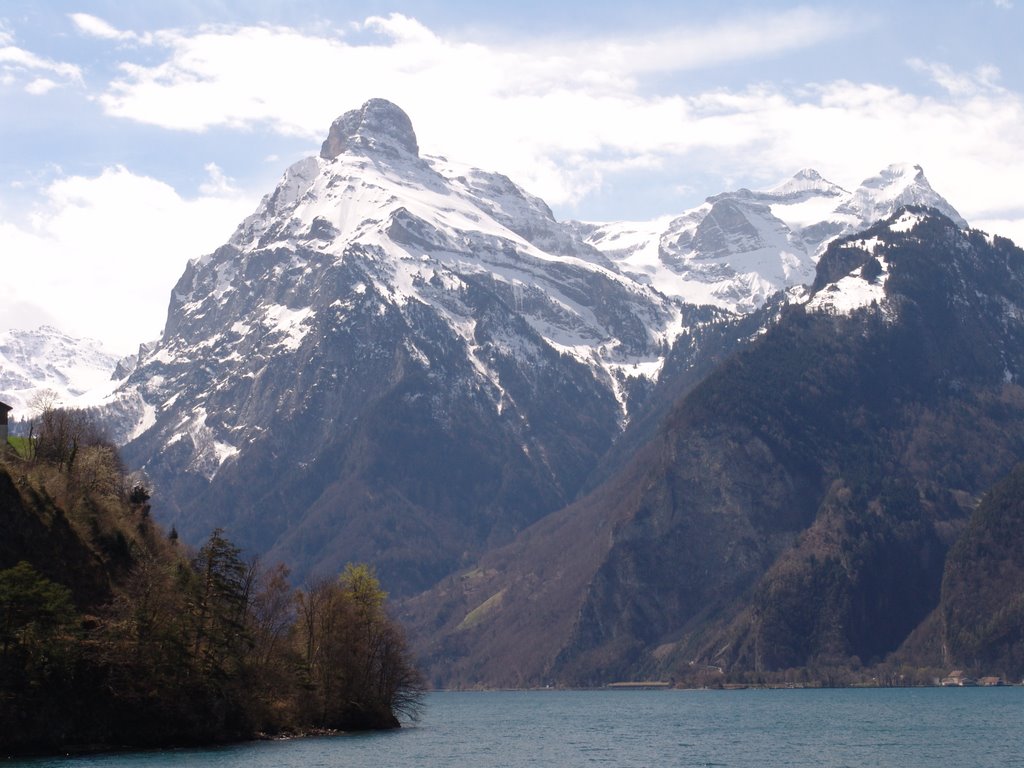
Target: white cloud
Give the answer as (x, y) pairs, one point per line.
(40, 86)
(297, 82)
(100, 257)
(604, 62)
(1011, 227)
(216, 184)
(563, 117)
(1005, 4)
(16, 62)
(97, 27)
(982, 79)
(521, 108)
(237, 79)
(93, 26)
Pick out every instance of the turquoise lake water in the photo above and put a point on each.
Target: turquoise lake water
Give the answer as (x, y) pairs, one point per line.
(903, 728)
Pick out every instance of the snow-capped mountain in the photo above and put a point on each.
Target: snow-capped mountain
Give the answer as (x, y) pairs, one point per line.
(79, 372)
(404, 360)
(421, 225)
(738, 248)
(392, 336)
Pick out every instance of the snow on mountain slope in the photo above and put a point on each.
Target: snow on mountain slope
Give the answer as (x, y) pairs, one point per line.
(894, 187)
(424, 225)
(378, 312)
(857, 289)
(78, 371)
(854, 272)
(738, 248)
(419, 230)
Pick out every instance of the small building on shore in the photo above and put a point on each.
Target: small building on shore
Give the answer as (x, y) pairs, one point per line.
(958, 679)
(4, 410)
(990, 681)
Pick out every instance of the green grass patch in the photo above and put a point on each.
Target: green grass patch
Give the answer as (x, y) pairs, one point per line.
(21, 445)
(482, 611)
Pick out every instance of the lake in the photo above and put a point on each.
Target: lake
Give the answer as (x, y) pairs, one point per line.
(906, 728)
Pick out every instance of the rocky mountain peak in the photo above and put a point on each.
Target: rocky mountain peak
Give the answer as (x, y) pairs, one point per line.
(898, 185)
(377, 125)
(898, 172)
(806, 180)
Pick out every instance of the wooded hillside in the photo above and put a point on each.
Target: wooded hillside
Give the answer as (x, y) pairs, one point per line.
(114, 634)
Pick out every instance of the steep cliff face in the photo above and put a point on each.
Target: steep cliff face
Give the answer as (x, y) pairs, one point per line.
(394, 360)
(796, 507)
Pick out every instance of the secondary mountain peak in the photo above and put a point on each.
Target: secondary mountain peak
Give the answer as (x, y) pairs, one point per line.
(910, 171)
(76, 371)
(377, 125)
(897, 185)
(806, 180)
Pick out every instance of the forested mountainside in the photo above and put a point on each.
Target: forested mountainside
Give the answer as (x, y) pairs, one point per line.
(981, 611)
(114, 634)
(794, 509)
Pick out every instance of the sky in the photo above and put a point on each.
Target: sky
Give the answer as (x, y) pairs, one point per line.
(134, 137)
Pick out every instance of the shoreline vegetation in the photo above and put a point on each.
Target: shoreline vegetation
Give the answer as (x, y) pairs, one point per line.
(114, 635)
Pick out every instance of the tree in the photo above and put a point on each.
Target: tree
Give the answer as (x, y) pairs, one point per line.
(272, 658)
(62, 432)
(38, 628)
(320, 639)
(144, 644)
(357, 661)
(38, 646)
(360, 586)
(220, 637)
(98, 470)
(192, 651)
(43, 400)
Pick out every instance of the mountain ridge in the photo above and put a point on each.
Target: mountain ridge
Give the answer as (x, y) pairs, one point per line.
(840, 450)
(738, 248)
